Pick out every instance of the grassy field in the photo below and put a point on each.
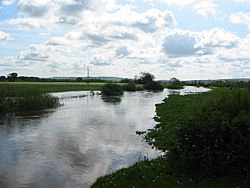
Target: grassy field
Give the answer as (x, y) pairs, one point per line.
(48, 87)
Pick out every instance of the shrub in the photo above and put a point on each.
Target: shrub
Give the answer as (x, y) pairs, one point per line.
(130, 86)
(174, 83)
(153, 86)
(17, 99)
(205, 134)
(28, 103)
(216, 140)
(112, 90)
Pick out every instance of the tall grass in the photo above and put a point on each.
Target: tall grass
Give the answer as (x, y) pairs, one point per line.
(25, 99)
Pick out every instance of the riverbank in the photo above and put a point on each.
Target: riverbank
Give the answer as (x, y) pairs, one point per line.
(189, 122)
(158, 174)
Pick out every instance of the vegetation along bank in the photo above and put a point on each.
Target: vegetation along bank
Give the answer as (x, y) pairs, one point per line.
(206, 141)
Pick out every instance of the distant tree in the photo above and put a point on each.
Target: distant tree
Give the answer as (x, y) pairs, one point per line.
(125, 80)
(79, 79)
(145, 77)
(174, 83)
(12, 77)
(2, 78)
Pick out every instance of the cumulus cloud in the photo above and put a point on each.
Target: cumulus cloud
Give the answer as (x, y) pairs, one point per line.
(201, 7)
(4, 36)
(240, 18)
(27, 23)
(75, 7)
(100, 61)
(218, 38)
(205, 8)
(152, 20)
(175, 2)
(33, 54)
(242, 1)
(180, 43)
(57, 41)
(66, 20)
(186, 43)
(7, 2)
(34, 8)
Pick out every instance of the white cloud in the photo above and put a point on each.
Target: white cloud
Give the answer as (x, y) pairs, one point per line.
(7, 2)
(153, 19)
(242, 1)
(186, 43)
(36, 53)
(240, 18)
(34, 8)
(175, 2)
(28, 23)
(180, 43)
(201, 7)
(206, 8)
(57, 41)
(4, 36)
(100, 61)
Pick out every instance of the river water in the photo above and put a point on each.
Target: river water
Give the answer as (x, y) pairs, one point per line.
(74, 144)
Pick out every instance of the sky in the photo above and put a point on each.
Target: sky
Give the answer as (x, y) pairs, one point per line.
(187, 39)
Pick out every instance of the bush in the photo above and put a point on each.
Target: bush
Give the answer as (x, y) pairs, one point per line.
(27, 103)
(216, 140)
(174, 83)
(20, 99)
(112, 90)
(205, 134)
(153, 86)
(130, 86)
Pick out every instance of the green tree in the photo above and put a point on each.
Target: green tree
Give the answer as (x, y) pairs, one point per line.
(145, 77)
(2, 78)
(174, 83)
(12, 77)
(79, 79)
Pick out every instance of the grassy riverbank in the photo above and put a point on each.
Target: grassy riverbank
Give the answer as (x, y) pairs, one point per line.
(31, 96)
(205, 138)
(24, 96)
(157, 173)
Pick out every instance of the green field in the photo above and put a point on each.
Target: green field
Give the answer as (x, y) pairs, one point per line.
(48, 87)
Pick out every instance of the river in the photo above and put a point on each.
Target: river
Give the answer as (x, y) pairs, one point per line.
(72, 145)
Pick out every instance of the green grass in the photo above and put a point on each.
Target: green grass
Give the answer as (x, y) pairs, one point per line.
(48, 87)
(157, 174)
(30, 96)
(171, 116)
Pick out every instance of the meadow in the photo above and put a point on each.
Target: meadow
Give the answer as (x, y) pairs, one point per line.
(49, 87)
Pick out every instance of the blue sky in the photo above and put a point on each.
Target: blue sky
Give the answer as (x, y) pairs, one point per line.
(191, 39)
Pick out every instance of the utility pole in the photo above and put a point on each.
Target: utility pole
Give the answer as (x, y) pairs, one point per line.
(88, 73)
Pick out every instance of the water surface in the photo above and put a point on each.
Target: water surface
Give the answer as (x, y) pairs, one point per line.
(85, 138)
